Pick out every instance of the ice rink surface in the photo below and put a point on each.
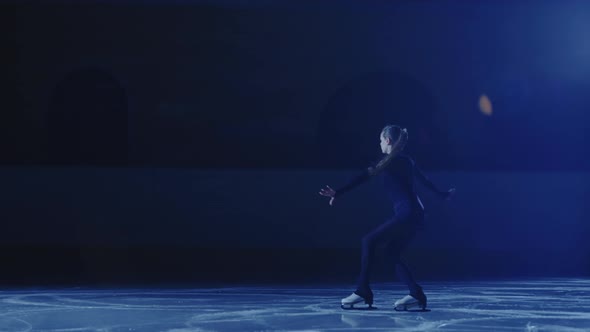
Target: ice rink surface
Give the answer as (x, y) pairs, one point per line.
(517, 305)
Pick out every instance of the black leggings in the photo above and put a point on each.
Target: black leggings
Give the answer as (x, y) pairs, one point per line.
(396, 233)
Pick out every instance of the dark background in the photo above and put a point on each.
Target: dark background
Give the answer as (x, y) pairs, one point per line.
(186, 141)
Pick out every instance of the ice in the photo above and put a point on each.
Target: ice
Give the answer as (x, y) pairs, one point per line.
(557, 305)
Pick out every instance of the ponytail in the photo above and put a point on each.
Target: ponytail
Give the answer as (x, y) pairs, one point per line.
(390, 132)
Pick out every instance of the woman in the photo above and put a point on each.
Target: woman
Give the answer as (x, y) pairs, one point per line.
(398, 172)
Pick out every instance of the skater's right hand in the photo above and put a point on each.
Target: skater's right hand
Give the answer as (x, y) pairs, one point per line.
(328, 192)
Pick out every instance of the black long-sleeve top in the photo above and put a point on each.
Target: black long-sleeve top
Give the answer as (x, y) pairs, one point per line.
(398, 180)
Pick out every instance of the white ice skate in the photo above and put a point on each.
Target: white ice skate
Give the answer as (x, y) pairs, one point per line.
(409, 302)
(350, 301)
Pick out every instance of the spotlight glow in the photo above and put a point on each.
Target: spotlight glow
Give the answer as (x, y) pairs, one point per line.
(485, 105)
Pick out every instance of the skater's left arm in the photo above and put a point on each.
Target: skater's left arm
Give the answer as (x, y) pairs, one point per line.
(356, 181)
(430, 185)
(377, 166)
(371, 171)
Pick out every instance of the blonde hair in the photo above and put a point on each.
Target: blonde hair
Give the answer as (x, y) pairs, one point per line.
(393, 133)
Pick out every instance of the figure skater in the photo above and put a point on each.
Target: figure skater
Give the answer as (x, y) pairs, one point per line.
(398, 172)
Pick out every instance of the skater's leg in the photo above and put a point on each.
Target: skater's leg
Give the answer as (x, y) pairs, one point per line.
(406, 277)
(395, 248)
(368, 246)
(403, 273)
(394, 228)
(363, 291)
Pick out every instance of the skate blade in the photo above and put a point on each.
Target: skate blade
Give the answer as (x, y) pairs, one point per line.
(412, 307)
(362, 307)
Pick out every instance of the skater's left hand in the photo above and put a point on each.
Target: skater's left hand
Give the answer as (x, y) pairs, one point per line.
(328, 192)
(449, 194)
